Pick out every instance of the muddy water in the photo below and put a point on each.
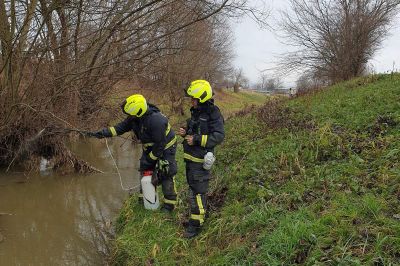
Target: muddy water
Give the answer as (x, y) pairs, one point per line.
(49, 219)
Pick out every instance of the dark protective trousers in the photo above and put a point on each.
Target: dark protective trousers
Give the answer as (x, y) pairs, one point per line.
(198, 180)
(168, 181)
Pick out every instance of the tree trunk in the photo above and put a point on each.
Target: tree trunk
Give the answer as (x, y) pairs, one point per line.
(236, 88)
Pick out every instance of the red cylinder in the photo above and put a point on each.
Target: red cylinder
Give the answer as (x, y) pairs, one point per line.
(147, 172)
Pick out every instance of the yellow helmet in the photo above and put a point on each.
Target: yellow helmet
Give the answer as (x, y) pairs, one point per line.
(135, 105)
(200, 89)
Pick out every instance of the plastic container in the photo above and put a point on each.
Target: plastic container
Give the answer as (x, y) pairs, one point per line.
(45, 167)
(150, 195)
(209, 160)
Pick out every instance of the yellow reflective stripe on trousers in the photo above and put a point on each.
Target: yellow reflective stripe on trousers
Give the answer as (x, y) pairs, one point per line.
(204, 140)
(173, 202)
(198, 217)
(193, 159)
(113, 131)
(152, 156)
(200, 204)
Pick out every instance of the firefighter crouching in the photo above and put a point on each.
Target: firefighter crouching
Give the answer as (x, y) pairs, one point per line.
(152, 128)
(204, 130)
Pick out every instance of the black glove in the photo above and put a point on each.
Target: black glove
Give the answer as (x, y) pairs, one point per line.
(155, 178)
(97, 134)
(162, 167)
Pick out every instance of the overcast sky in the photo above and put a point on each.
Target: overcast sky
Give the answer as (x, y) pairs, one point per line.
(256, 49)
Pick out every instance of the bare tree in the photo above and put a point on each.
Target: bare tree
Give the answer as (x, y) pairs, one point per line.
(261, 84)
(245, 84)
(335, 39)
(237, 79)
(200, 51)
(60, 59)
(272, 84)
(308, 82)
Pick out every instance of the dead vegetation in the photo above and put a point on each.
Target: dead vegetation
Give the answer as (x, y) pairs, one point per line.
(60, 60)
(216, 199)
(276, 115)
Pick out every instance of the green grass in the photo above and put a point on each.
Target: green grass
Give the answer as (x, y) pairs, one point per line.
(231, 102)
(319, 187)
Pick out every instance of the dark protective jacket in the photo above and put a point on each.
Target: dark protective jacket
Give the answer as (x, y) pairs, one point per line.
(207, 126)
(152, 129)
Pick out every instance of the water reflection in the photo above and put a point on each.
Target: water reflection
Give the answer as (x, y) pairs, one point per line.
(65, 220)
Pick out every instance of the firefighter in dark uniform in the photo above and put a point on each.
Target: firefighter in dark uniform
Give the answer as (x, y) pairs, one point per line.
(204, 130)
(152, 128)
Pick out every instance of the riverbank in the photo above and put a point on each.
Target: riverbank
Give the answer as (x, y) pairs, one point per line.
(314, 180)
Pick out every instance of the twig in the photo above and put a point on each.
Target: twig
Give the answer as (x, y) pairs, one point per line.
(242, 159)
(22, 145)
(12, 161)
(346, 247)
(365, 245)
(85, 133)
(40, 133)
(4, 213)
(50, 113)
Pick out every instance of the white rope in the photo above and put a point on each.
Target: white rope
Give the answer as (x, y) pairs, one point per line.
(119, 174)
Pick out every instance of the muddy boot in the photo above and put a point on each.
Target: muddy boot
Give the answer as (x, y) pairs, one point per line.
(191, 231)
(140, 200)
(140, 197)
(167, 208)
(185, 224)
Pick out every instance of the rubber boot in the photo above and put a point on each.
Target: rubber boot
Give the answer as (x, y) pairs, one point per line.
(140, 200)
(167, 208)
(191, 231)
(185, 224)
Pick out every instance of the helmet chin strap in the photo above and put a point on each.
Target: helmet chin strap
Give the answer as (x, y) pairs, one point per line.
(195, 102)
(123, 107)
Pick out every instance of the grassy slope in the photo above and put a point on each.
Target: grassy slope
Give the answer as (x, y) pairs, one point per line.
(231, 102)
(228, 101)
(326, 193)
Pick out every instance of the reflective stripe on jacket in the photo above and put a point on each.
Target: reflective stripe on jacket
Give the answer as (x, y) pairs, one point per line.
(207, 126)
(152, 129)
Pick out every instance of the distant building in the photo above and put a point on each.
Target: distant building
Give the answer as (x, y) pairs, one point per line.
(285, 91)
(280, 91)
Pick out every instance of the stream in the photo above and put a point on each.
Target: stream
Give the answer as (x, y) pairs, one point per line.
(51, 219)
